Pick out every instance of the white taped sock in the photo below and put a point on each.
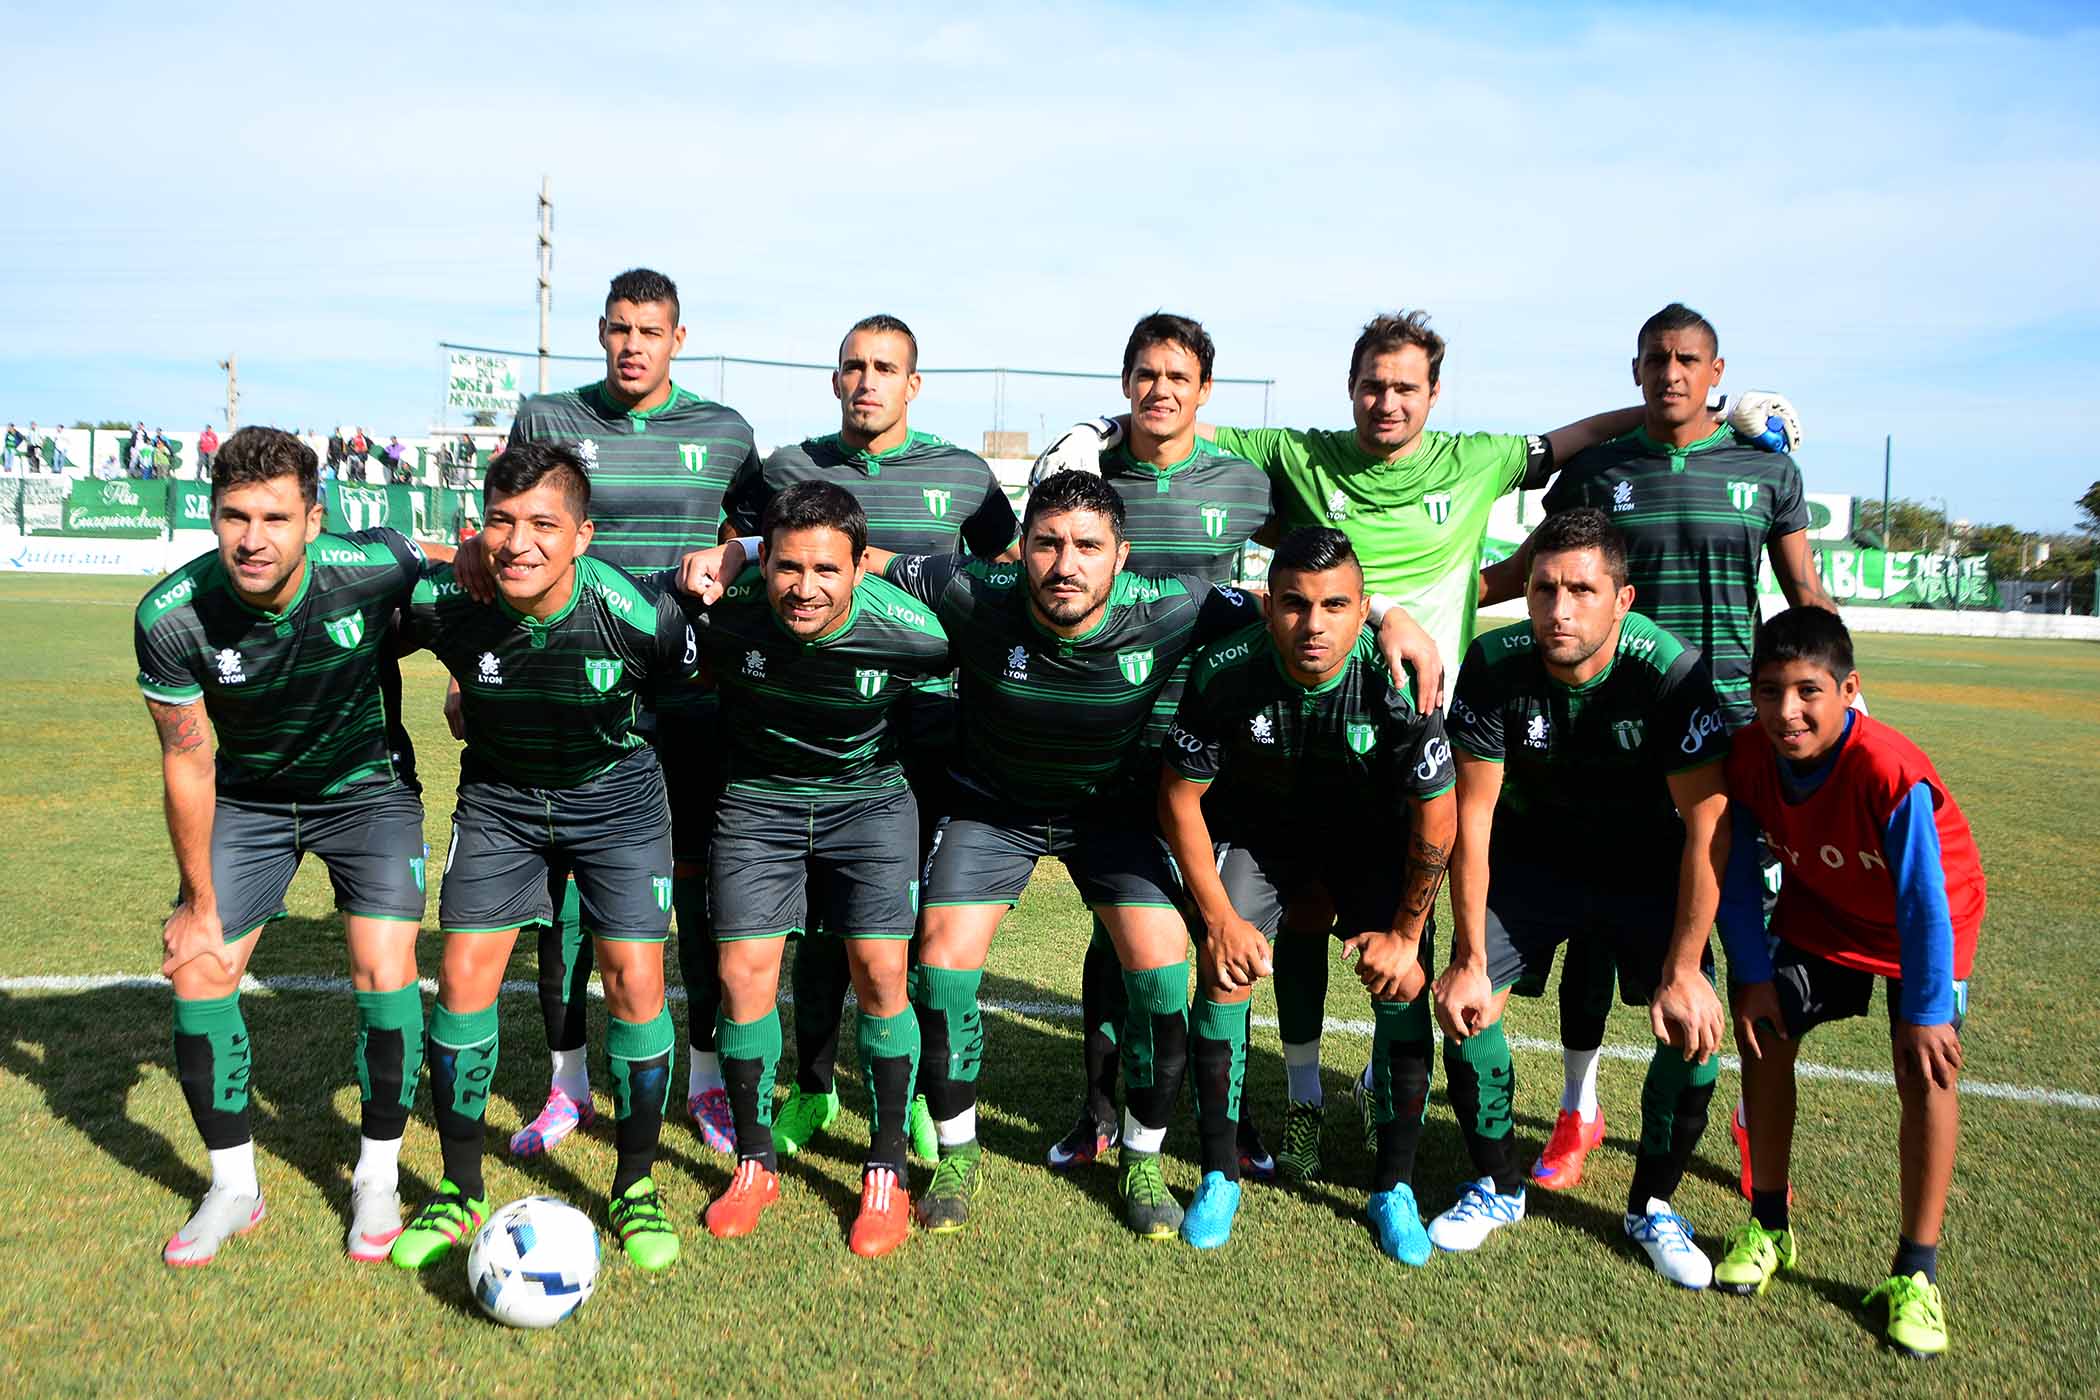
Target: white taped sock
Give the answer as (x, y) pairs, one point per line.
(1139, 1138)
(234, 1169)
(378, 1163)
(1301, 1067)
(959, 1131)
(705, 1074)
(1578, 1092)
(572, 1073)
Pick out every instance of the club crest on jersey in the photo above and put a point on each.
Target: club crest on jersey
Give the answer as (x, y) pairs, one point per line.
(1742, 494)
(1622, 496)
(415, 868)
(1360, 736)
(603, 672)
(693, 456)
(1262, 729)
(1535, 732)
(229, 663)
(755, 665)
(345, 631)
(1629, 733)
(937, 501)
(1214, 521)
(1438, 504)
(1136, 665)
(1338, 505)
(488, 670)
(587, 450)
(661, 884)
(1017, 664)
(870, 683)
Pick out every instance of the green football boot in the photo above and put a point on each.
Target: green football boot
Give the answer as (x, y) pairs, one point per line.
(1753, 1256)
(1298, 1157)
(918, 1126)
(1917, 1322)
(645, 1233)
(1148, 1207)
(801, 1117)
(945, 1208)
(449, 1217)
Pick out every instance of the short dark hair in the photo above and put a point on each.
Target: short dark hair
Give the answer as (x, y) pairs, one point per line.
(264, 454)
(529, 464)
(814, 505)
(1815, 635)
(1313, 549)
(642, 285)
(1166, 328)
(884, 322)
(1064, 491)
(1384, 334)
(1677, 317)
(1585, 527)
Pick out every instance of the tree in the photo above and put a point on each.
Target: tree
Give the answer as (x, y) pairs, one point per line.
(2089, 510)
(1912, 525)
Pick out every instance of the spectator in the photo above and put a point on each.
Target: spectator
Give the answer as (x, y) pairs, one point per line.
(10, 445)
(207, 448)
(335, 449)
(36, 448)
(163, 456)
(135, 450)
(397, 462)
(360, 451)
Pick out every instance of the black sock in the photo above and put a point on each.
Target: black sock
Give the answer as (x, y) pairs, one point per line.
(1768, 1208)
(820, 981)
(1397, 1139)
(1217, 1129)
(1481, 1080)
(1102, 1005)
(1915, 1258)
(565, 976)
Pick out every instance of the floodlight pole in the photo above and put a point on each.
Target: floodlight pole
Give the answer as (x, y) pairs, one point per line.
(232, 365)
(546, 271)
(1888, 454)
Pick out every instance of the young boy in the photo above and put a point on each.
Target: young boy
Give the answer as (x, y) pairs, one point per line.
(1882, 880)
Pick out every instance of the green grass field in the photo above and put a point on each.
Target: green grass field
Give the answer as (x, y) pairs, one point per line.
(1046, 1291)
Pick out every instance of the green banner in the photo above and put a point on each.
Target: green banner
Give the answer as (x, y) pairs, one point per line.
(124, 510)
(1906, 578)
(189, 504)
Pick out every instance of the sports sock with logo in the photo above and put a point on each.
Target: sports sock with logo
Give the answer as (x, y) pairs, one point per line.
(389, 1056)
(463, 1060)
(1401, 1045)
(1300, 960)
(213, 1059)
(565, 971)
(820, 980)
(951, 1036)
(1155, 1051)
(1103, 1006)
(889, 1057)
(1218, 1059)
(750, 1054)
(639, 1053)
(1482, 1078)
(698, 969)
(1674, 1100)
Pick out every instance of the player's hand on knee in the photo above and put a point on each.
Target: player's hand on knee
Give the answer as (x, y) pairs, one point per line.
(1757, 1009)
(1462, 996)
(1930, 1055)
(191, 933)
(454, 719)
(1686, 1014)
(1079, 450)
(1765, 418)
(474, 571)
(1241, 953)
(1384, 961)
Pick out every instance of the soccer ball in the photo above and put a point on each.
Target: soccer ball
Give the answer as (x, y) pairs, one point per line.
(534, 1263)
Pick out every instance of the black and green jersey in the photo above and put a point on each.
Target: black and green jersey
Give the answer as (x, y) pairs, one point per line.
(923, 496)
(811, 719)
(1048, 723)
(1193, 517)
(1286, 759)
(293, 697)
(1697, 521)
(657, 477)
(1585, 768)
(553, 704)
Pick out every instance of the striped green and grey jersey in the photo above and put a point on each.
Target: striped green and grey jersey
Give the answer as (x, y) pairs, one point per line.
(1282, 757)
(1697, 520)
(1194, 517)
(294, 696)
(554, 703)
(1585, 767)
(923, 496)
(1047, 723)
(811, 719)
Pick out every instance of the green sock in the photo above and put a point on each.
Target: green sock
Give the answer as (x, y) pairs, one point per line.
(463, 1058)
(389, 1057)
(750, 1052)
(952, 995)
(889, 1058)
(1396, 1023)
(639, 1053)
(213, 1058)
(1301, 966)
(1482, 1079)
(1218, 1054)
(1155, 1050)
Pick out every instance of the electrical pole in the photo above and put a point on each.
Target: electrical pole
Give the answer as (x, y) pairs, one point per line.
(546, 271)
(232, 365)
(1888, 455)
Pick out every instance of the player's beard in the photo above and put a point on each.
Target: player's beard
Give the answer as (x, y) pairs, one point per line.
(1065, 611)
(1572, 654)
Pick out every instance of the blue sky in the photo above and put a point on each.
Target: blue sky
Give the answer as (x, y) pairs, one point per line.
(1891, 218)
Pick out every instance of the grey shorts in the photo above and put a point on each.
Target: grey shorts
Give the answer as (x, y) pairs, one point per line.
(370, 838)
(859, 857)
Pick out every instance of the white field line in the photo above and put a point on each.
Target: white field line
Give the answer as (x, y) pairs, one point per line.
(1067, 1011)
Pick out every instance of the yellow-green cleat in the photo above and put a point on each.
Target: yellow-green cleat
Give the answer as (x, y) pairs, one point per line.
(1148, 1207)
(1917, 1318)
(801, 1117)
(945, 1206)
(1753, 1256)
(449, 1217)
(645, 1234)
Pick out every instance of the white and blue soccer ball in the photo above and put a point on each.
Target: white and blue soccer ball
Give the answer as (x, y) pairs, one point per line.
(534, 1262)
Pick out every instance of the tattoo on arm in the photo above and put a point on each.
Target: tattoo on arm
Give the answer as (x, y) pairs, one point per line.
(1425, 874)
(181, 726)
